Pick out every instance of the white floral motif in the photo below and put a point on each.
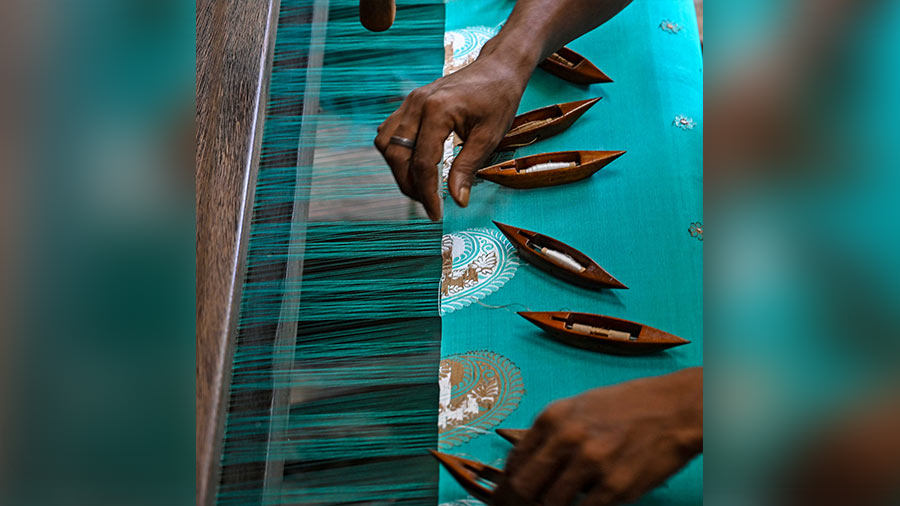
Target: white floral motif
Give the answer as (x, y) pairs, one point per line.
(669, 26)
(683, 122)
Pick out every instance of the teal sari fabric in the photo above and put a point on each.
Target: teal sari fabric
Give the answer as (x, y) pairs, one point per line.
(640, 218)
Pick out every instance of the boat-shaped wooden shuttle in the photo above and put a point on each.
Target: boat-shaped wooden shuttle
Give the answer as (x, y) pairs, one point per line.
(548, 169)
(573, 67)
(559, 259)
(545, 122)
(477, 479)
(603, 333)
(470, 474)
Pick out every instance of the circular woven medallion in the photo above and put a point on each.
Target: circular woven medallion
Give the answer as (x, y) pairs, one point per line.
(478, 390)
(476, 263)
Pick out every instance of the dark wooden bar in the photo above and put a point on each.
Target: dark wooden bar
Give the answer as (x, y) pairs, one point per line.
(232, 42)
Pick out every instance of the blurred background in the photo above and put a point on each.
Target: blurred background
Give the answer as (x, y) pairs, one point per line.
(98, 246)
(97, 353)
(802, 243)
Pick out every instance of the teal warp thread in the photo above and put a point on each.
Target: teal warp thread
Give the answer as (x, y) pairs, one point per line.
(333, 395)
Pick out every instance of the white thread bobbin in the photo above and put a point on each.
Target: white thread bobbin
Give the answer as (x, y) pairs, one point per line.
(598, 331)
(541, 167)
(562, 260)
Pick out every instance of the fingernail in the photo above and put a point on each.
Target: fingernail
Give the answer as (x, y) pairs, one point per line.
(463, 196)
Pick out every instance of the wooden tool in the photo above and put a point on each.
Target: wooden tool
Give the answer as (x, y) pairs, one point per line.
(603, 333)
(477, 479)
(548, 169)
(471, 475)
(573, 67)
(377, 15)
(559, 259)
(545, 122)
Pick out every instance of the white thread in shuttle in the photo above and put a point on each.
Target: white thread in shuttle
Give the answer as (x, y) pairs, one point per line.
(561, 259)
(541, 167)
(598, 331)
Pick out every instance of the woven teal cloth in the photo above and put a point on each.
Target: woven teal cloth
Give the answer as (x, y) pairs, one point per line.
(640, 218)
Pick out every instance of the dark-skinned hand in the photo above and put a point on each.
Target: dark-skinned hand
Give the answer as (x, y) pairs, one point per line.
(478, 102)
(608, 445)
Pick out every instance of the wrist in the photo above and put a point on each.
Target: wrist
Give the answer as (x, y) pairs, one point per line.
(519, 55)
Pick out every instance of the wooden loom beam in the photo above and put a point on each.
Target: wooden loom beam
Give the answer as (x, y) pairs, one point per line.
(234, 47)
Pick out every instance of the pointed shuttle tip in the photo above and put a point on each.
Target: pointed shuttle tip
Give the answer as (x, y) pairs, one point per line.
(503, 226)
(531, 317)
(616, 284)
(441, 457)
(511, 435)
(600, 76)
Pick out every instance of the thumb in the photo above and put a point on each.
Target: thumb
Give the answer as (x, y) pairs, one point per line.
(475, 151)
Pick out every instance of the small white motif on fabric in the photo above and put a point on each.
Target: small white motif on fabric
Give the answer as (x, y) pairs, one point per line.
(696, 230)
(684, 122)
(669, 26)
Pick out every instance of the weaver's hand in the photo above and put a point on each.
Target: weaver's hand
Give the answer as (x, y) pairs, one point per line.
(478, 102)
(612, 444)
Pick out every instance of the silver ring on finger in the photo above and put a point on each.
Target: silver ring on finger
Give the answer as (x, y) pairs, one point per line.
(403, 141)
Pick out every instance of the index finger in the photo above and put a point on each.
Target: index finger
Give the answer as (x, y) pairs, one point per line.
(404, 122)
(436, 126)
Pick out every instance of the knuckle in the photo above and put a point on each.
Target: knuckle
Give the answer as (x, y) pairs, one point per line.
(417, 96)
(594, 455)
(435, 103)
(381, 142)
